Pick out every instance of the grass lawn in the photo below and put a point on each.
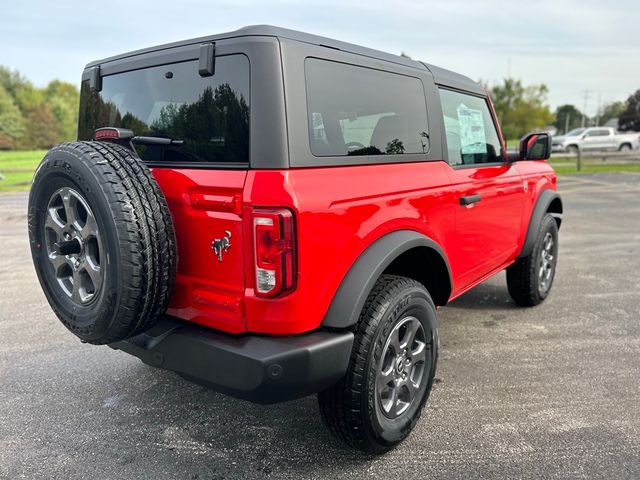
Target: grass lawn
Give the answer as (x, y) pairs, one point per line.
(17, 168)
(606, 168)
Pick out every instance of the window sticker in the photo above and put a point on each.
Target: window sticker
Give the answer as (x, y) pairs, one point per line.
(472, 137)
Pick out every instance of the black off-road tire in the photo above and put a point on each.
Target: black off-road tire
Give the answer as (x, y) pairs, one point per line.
(524, 280)
(135, 263)
(351, 409)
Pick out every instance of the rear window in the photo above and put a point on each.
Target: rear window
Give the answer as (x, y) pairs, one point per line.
(207, 116)
(360, 111)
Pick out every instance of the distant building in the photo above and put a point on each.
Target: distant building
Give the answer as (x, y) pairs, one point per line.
(613, 123)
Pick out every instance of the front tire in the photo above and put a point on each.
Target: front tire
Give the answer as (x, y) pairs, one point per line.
(572, 150)
(529, 279)
(380, 399)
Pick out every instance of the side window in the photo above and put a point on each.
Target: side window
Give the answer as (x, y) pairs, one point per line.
(360, 111)
(599, 133)
(472, 137)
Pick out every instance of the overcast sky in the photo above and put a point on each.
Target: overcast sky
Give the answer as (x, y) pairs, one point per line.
(573, 46)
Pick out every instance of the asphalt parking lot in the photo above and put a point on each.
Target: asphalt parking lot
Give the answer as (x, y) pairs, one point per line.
(548, 392)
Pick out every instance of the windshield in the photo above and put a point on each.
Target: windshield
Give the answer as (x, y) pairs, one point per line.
(575, 132)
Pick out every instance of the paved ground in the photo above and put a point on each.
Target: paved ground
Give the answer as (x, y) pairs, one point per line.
(550, 392)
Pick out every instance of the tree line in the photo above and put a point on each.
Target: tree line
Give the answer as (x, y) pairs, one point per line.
(522, 109)
(39, 118)
(36, 118)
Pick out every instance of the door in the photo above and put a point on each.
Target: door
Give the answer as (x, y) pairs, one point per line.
(488, 191)
(597, 139)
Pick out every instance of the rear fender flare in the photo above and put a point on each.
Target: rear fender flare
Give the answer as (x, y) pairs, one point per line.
(352, 293)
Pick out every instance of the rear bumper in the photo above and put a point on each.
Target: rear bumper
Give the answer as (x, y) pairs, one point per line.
(258, 368)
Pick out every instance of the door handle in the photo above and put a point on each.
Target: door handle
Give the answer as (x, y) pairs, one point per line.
(470, 199)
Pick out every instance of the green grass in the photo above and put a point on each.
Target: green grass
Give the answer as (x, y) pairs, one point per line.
(606, 168)
(17, 168)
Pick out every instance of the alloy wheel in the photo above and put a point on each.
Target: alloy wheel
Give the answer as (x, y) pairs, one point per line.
(74, 246)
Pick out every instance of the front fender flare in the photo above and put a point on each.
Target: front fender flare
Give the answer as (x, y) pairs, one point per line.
(352, 293)
(540, 209)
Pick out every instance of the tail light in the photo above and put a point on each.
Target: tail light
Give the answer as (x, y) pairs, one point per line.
(274, 249)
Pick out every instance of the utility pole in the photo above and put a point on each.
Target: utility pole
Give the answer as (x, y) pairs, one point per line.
(567, 119)
(599, 109)
(584, 108)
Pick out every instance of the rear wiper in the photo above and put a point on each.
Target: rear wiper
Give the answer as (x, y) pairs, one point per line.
(156, 141)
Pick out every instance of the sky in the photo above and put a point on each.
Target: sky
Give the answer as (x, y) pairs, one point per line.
(577, 48)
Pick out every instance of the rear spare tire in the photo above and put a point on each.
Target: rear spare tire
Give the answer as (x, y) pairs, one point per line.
(102, 240)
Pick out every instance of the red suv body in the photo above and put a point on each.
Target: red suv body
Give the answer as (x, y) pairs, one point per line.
(309, 180)
(333, 230)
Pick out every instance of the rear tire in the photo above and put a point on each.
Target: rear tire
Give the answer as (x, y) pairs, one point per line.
(625, 147)
(529, 279)
(102, 240)
(379, 400)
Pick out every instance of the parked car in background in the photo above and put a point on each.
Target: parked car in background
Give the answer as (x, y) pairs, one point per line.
(595, 138)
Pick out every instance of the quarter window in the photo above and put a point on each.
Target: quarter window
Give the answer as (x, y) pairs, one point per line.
(472, 137)
(360, 111)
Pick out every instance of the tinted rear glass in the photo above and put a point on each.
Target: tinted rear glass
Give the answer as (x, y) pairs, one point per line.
(360, 111)
(210, 115)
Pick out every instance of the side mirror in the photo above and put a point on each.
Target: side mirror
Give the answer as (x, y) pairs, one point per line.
(535, 146)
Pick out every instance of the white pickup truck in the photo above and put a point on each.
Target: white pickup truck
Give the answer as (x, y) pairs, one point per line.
(595, 138)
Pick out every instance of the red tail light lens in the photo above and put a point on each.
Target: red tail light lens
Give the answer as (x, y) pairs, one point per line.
(274, 247)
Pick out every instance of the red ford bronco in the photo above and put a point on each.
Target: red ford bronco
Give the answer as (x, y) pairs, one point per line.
(275, 214)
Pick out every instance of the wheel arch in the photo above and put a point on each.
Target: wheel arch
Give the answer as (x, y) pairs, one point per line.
(403, 252)
(548, 202)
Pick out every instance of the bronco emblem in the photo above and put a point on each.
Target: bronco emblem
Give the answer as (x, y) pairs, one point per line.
(221, 245)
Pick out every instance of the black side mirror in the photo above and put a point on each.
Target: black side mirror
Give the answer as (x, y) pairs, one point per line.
(535, 146)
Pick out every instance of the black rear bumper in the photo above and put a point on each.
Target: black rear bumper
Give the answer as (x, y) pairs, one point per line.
(258, 368)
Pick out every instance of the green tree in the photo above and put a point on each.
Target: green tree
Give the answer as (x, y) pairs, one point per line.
(521, 109)
(32, 117)
(62, 98)
(42, 130)
(629, 119)
(12, 126)
(11, 81)
(568, 117)
(612, 110)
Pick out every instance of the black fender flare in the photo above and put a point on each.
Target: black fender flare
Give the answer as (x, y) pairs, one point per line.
(540, 209)
(352, 293)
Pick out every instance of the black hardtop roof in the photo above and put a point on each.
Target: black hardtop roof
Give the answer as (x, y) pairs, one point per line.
(441, 75)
